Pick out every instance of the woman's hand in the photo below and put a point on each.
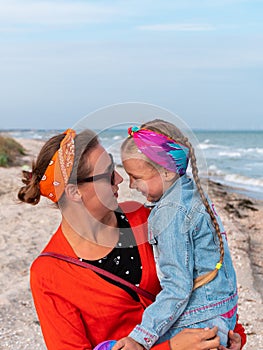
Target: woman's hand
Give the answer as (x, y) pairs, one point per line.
(234, 341)
(127, 343)
(196, 339)
(189, 339)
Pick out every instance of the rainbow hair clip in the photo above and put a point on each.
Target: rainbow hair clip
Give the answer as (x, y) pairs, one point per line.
(161, 149)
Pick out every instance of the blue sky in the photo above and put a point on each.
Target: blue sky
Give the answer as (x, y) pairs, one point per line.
(61, 60)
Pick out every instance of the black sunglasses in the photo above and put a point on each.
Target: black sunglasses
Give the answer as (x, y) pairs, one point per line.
(109, 175)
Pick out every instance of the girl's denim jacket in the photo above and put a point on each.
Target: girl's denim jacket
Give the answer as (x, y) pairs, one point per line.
(185, 246)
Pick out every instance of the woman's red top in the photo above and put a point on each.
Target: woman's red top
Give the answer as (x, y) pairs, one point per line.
(78, 309)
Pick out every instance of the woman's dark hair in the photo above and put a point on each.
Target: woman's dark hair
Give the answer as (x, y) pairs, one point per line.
(84, 142)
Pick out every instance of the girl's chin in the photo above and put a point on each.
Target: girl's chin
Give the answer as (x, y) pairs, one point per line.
(151, 199)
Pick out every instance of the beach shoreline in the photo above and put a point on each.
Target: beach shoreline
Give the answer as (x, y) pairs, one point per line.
(25, 230)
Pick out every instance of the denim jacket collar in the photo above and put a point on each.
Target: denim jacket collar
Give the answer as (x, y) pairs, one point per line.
(176, 186)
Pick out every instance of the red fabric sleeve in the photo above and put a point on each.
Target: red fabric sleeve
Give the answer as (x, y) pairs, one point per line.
(60, 321)
(241, 331)
(162, 346)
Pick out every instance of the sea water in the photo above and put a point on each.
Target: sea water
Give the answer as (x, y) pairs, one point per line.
(234, 158)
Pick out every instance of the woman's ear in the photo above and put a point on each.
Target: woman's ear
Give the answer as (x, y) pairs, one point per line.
(72, 192)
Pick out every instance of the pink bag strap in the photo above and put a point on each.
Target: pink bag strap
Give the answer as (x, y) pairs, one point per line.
(105, 273)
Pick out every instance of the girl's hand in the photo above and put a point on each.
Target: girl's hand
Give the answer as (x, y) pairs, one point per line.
(234, 341)
(196, 339)
(127, 343)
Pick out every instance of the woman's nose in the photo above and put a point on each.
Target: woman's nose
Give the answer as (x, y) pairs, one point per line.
(117, 178)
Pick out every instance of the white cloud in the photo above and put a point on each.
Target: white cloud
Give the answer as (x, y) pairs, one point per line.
(54, 12)
(179, 27)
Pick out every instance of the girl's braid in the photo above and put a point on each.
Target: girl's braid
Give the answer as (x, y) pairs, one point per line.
(209, 276)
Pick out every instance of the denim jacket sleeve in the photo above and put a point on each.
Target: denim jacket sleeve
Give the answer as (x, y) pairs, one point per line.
(174, 258)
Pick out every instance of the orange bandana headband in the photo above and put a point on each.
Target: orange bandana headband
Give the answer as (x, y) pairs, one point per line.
(55, 179)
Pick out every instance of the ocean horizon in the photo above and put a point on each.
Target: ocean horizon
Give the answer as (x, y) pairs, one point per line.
(230, 157)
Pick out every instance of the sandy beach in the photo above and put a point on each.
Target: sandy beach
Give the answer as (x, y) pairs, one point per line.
(26, 229)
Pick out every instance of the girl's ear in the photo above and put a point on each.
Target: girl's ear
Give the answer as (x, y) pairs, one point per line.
(169, 176)
(72, 193)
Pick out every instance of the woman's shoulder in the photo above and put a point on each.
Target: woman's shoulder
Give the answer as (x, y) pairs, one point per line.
(57, 244)
(134, 207)
(135, 212)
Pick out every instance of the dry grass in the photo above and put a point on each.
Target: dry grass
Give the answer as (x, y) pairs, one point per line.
(10, 151)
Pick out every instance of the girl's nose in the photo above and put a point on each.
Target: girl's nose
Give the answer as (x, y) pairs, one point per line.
(132, 184)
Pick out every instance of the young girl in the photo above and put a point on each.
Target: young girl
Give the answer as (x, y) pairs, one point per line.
(190, 248)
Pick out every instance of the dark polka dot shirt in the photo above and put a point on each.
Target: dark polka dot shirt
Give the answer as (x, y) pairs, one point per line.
(124, 260)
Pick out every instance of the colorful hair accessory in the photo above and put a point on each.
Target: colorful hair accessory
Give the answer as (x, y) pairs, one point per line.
(218, 266)
(55, 178)
(161, 149)
(132, 130)
(105, 345)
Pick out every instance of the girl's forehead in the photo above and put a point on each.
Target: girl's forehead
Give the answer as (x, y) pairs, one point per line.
(138, 165)
(133, 161)
(134, 156)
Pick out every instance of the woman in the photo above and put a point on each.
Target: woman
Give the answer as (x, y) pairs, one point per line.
(77, 307)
